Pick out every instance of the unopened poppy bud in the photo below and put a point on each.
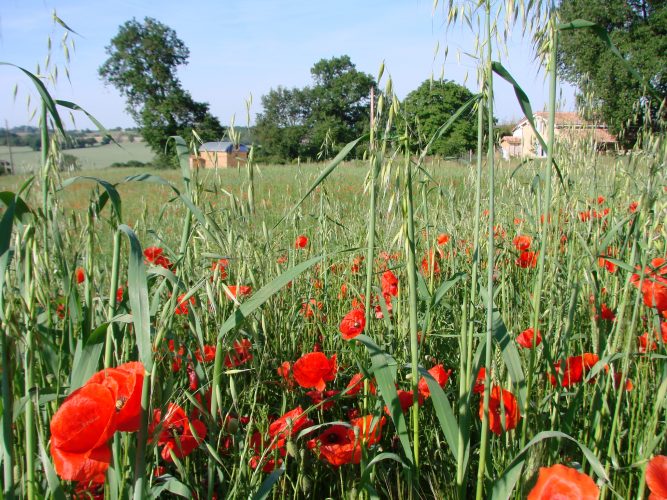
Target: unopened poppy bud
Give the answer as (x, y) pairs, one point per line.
(232, 426)
(291, 449)
(306, 484)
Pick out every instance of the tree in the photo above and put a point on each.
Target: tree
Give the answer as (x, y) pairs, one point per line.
(606, 88)
(430, 106)
(334, 111)
(142, 63)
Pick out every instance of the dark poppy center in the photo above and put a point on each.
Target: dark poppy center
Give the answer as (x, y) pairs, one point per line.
(333, 438)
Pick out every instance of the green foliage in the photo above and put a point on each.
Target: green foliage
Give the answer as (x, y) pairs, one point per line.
(429, 106)
(608, 91)
(142, 63)
(316, 122)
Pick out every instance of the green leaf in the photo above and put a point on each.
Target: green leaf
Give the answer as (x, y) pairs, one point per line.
(100, 127)
(55, 488)
(527, 109)
(44, 95)
(268, 483)
(138, 293)
(384, 370)
(183, 154)
(22, 211)
(443, 410)
(85, 363)
(170, 484)
(108, 187)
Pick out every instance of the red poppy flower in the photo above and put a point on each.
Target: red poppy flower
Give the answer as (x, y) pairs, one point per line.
(440, 375)
(240, 355)
(119, 295)
(559, 481)
(154, 256)
(352, 324)
(220, 266)
(617, 382)
(601, 200)
(575, 369)
(126, 384)
(525, 338)
(80, 275)
(301, 241)
(585, 216)
(314, 370)
(526, 259)
(656, 477)
(364, 431)
(182, 304)
(644, 340)
(606, 313)
(176, 432)
(209, 354)
(288, 425)
(389, 284)
(430, 262)
(235, 291)
(86, 467)
(522, 242)
(479, 381)
(511, 409)
(335, 446)
(284, 370)
(309, 308)
(632, 208)
(443, 239)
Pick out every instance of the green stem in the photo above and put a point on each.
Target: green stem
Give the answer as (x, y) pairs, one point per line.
(412, 305)
(142, 437)
(113, 287)
(490, 263)
(7, 400)
(546, 220)
(29, 364)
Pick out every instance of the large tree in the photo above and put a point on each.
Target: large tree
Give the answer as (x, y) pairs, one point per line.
(317, 121)
(607, 90)
(142, 64)
(430, 106)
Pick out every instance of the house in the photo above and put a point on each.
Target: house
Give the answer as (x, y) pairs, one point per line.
(569, 127)
(220, 155)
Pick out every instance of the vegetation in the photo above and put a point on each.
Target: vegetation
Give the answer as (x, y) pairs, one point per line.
(607, 89)
(315, 122)
(142, 63)
(431, 105)
(374, 331)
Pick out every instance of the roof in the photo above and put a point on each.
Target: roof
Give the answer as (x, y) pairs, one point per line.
(563, 118)
(510, 139)
(599, 135)
(223, 147)
(574, 125)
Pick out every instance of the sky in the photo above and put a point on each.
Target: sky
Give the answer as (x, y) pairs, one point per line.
(240, 49)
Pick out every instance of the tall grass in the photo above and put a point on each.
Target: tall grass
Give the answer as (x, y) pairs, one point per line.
(460, 301)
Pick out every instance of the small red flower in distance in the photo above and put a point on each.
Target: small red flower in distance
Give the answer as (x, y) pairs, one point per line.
(525, 338)
(220, 266)
(240, 355)
(656, 477)
(176, 434)
(301, 241)
(497, 397)
(80, 275)
(527, 259)
(284, 370)
(154, 256)
(559, 481)
(443, 239)
(576, 368)
(119, 295)
(389, 284)
(440, 375)
(182, 304)
(632, 208)
(314, 370)
(522, 242)
(236, 291)
(352, 324)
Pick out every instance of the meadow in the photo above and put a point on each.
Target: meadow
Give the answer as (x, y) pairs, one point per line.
(393, 327)
(91, 158)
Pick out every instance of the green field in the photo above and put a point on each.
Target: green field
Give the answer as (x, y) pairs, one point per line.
(26, 160)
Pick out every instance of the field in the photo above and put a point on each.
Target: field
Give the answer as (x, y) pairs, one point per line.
(27, 160)
(397, 327)
(264, 348)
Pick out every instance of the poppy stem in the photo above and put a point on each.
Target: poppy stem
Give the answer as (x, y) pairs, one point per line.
(142, 437)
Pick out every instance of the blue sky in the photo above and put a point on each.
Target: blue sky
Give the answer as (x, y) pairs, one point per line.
(243, 48)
